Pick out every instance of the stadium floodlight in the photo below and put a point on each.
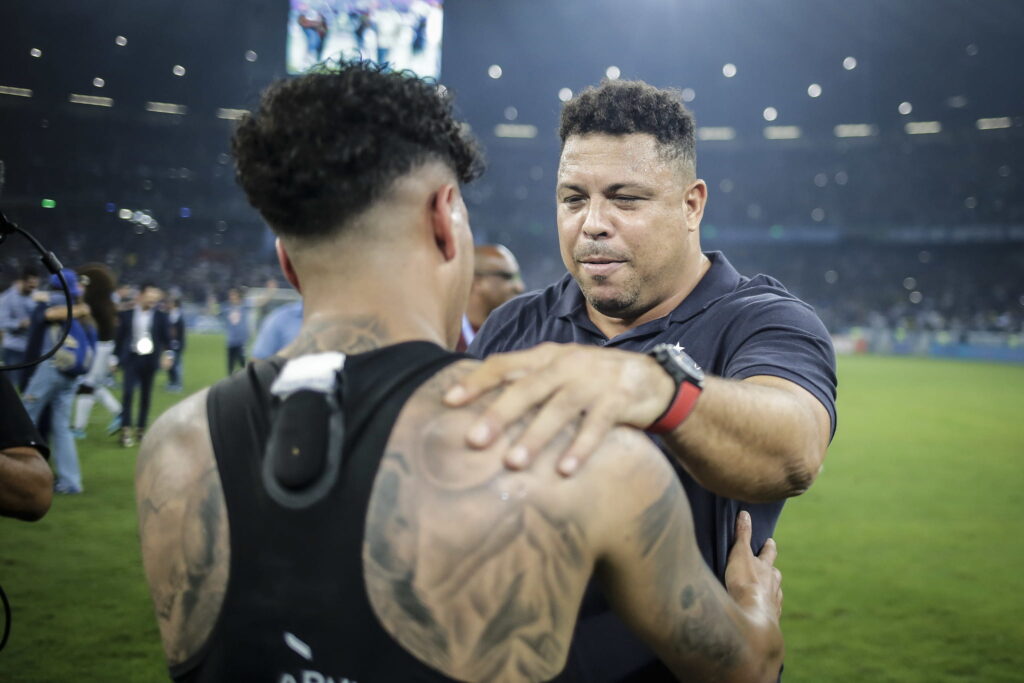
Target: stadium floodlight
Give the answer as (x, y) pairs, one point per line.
(124, 214)
(93, 100)
(855, 130)
(15, 92)
(167, 108)
(515, 130)
(716, 133)
(231, 114)
(782, 132)
(923, 127)
(994, 123)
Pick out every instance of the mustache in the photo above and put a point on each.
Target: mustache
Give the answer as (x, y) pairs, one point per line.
(598, 251)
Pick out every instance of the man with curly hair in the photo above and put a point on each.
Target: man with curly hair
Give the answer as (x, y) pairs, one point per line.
(317, 516)
(745, 413)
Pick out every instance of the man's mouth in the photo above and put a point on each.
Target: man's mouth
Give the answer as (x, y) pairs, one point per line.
(600, 266)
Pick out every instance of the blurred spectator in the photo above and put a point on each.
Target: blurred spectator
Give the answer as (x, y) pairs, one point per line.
(176, 320)
(235, 314)
(496, 279)
(16, 307)
(99, 296)
(278, 330)
(142, 336)
(53, 384)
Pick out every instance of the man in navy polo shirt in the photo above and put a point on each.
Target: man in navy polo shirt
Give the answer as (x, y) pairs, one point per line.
(749, 421)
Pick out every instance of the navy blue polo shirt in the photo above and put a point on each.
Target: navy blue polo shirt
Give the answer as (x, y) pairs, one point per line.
(732, 326)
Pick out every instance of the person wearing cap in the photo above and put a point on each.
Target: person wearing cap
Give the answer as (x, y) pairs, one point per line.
(54, 382)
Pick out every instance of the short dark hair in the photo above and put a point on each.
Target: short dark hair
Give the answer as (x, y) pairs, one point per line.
(625, 107)
(28, 271)
(324, 146)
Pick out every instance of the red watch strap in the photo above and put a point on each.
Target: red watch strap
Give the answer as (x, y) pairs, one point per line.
(681, 406)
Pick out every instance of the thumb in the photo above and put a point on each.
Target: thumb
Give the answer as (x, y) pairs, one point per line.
(743, 529)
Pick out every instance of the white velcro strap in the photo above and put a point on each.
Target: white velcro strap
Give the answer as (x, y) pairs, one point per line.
(315, 372)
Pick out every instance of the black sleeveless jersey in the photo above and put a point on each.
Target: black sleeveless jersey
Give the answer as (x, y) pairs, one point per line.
(296, 607)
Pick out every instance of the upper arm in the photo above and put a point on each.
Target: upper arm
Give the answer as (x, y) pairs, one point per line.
(183, 527)
(816, 410)
(653, 574)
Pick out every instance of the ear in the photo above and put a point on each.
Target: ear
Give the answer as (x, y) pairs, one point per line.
(287, 268)
(443, 206)
(696, 199)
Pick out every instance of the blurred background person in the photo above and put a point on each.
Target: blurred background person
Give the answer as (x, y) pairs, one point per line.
(142, 336)
(235, 314)
(176, 329)
(99, 295)
(496, 279)
(16, 306)
(51, 388)
(278, 329)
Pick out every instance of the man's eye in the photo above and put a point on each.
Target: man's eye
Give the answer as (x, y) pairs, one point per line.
(572, 199)
(626, 198)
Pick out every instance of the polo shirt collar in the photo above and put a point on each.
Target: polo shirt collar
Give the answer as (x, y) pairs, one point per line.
(720, 279)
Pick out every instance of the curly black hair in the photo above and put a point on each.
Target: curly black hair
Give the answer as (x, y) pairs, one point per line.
(324, 146)
(624, 107)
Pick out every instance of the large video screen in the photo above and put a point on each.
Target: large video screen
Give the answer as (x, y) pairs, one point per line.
(404, 33)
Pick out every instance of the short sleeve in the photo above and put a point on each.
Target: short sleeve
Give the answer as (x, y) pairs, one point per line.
(784, 338)
(16, 427)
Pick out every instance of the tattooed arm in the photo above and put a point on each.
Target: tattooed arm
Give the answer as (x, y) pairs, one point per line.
(183, 527)
(656, 579)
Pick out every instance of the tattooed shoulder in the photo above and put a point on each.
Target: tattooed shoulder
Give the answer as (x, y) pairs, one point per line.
(183, 527)
(349, 334)
(467, 565)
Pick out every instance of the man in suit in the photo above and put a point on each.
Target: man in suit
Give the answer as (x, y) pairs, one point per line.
(143, 333)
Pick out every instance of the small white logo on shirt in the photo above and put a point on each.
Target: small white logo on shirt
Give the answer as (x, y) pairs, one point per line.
(300, 648)
(678, 347)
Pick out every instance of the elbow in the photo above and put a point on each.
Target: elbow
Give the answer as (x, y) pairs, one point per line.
(41, 497)
(801, 471)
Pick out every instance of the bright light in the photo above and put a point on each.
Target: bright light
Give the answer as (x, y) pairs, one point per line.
(36, 52)
(972, 50)
(494, 71)
(565, 94)
(689, 94)
(916, 297)
(850, 63)
(770, 113)
(16, 92)
(842, 178)
(814, 90)
(818, 215)
(993, 124)
(515, 130)
(971, 202)
(923, 127)
(178, 70)
(511, 113)
(821, 180)
(716, 133)
(75, 98)
(909, 283)
(121, 40)
(729, 70)
(167, 108)
(781, 132)
(124, 214)
(855, 130)
(185, 212)
(905, 108)
(612, 72)
(98, 82)
(231, 114)
(251, 56)
(48, 204)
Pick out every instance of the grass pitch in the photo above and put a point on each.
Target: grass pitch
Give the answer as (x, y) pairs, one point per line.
(902, 563)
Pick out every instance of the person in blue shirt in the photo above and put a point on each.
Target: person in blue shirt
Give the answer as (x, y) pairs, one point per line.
(278, 330)
(16, 306)
(235, 314)
(733, 376)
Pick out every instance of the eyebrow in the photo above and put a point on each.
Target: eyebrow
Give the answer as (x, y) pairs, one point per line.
(611, 189)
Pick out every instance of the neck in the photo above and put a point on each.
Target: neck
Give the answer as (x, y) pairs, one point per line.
(476, 312)
(692, 275)
(357, 316)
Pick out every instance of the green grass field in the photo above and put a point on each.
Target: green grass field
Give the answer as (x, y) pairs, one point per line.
(903, 563)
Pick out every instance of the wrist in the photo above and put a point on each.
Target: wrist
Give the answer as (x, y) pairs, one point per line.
(688, 379)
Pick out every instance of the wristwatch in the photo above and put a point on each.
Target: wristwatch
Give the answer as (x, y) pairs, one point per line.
(689, 379)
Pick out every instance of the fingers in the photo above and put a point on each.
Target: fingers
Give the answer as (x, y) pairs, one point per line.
(510, 406)
(560, 410)
(595, 426)
(497, 370)
(769, 552)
